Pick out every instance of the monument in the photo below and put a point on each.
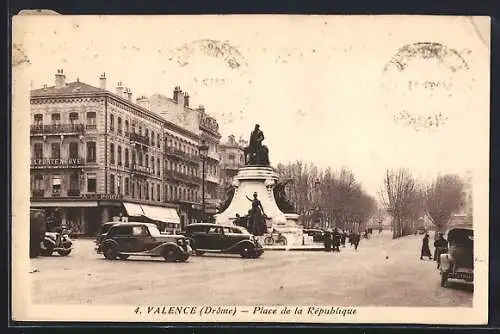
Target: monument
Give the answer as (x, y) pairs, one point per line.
(253, 200)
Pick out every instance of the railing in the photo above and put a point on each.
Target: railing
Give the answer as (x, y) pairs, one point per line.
(139, 138)
(73, 192)
(57, 129)
(91, 127)
(57, 163)
(38, 193)
(180, 154)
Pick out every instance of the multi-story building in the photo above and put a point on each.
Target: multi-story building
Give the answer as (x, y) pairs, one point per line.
(232, 158)
(200, 127)
(96, 155)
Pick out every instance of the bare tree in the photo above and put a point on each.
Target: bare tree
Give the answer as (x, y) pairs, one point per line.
(443, 197)
(400, 197)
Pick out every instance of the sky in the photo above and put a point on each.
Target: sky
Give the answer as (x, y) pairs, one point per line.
(323, 89)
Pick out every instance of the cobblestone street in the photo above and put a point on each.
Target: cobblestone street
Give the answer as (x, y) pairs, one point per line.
(358, 278)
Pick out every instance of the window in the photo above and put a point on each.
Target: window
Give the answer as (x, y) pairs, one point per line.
(55, 151)
(146, 190)
(133, 158)
(91, 182)
(73, 117)
(126, 127)
(119, 125)
(123, 231)
(38, 185)
(111, 122)
(38, 119)
(152, 138)
(111, 184)
(56, 186)
(74, 181)
(139, 231)
(126, 158)
(140, 130)
(56, 119)
(91, 151)
(112, 153)
(119, 155)
(152, 192)
(158, 167)
(132, 192)
(215, 230)
(38, 150)
(139, 190)
(153, 164)
(73, 150)
(140, 158)
(119, 185)
(127, 186)
(146, 160)
(165, 194)
(147, 133)
(230, 156)
(91, 120)
(158, 142)
(171, 193)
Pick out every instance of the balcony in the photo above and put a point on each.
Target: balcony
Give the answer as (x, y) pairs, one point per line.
(73, 192)
(57, 129)
(231, 165)
(39, 163)
(140, 139)
(37, 193)
(141, 170)
(174, 152)
(91, 127)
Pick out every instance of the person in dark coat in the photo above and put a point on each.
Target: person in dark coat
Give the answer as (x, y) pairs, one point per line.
(356, 237)
(336, 240)
(440, 247)
(426, 251)
(343, 238)
(327, 241)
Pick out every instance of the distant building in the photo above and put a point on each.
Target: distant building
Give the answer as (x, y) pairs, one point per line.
(465, 216)
(232, 158)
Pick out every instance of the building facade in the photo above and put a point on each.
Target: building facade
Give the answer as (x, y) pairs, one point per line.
(232, 158)
(96, 155)
(200, 126)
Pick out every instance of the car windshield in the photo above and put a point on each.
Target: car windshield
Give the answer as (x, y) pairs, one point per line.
(154, 231)
(241, 230)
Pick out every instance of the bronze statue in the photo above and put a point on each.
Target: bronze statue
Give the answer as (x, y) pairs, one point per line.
(255, 153)
(256, 217)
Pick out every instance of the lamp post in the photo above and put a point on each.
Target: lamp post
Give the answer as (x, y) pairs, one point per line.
(203, 148)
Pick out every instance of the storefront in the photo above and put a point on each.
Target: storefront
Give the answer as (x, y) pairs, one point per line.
(166, 218)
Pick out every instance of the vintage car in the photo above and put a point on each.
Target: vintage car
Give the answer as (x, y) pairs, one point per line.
(104, 230)
(216, 238)
(142, 239)
(317, 234)
(458, 262)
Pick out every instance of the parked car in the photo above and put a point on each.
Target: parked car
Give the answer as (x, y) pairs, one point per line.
(104, 230)
(37, 231)
(458, 262)
(318, 235)
(142, 239)
(58, 241)
(216, 238)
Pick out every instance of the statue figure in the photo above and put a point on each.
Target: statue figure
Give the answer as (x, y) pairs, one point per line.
(281, 199)
(229, 197)
(256, 217)
(255, 153)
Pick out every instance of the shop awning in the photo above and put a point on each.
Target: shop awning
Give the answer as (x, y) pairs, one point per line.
(166, 215)
(69, 204)
(133, 210)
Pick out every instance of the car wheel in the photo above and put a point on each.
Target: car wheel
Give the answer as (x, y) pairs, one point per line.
(170, 254)
(184, 258)
(123, 256)
(110, 252)
(199, 253)
(444, 279)
(64, 252)
(245, 252)
(281, 241)
(47, 248)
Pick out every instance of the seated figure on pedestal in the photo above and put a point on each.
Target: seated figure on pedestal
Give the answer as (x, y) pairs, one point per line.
(256, 217)
(256, 154)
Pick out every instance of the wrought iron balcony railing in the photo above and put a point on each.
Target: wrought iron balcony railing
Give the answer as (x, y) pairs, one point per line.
(139, 138)
(57, 129)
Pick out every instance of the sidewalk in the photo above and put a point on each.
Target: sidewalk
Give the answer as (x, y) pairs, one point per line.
(318, 247)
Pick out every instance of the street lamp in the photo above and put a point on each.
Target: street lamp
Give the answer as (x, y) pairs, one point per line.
(203, 148)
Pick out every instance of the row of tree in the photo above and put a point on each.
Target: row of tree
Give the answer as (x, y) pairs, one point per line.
(338, 198)
(406, 199)
(326, 196)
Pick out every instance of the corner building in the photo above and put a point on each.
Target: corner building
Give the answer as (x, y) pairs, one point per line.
(96, 155)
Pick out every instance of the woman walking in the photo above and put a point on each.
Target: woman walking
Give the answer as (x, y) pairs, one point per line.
(426, 251)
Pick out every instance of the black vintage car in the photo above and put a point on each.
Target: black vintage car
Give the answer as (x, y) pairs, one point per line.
(216, 238)
(458, 262)
(142, 239)
(317, 234)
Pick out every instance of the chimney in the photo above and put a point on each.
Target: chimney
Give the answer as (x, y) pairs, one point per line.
(119, 89)
(129, 94)
(177, 90)
(60, 79)
(143, 101)
(102, 81)
(186, 99)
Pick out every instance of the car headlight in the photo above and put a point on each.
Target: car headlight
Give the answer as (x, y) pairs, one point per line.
(180, 242)
(187, 242)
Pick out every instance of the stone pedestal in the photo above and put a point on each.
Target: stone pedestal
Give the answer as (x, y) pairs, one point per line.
(260, 180)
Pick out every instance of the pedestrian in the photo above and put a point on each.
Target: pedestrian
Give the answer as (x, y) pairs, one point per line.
(336, 240)
(327, 240)
(356, 239)
(343, 237)
(425, 251)
(440, 247)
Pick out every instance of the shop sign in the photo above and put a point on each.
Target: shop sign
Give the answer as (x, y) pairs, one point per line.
(57, 163)
(97, 197)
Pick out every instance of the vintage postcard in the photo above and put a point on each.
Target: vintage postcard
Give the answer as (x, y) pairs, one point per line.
(262, 168)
